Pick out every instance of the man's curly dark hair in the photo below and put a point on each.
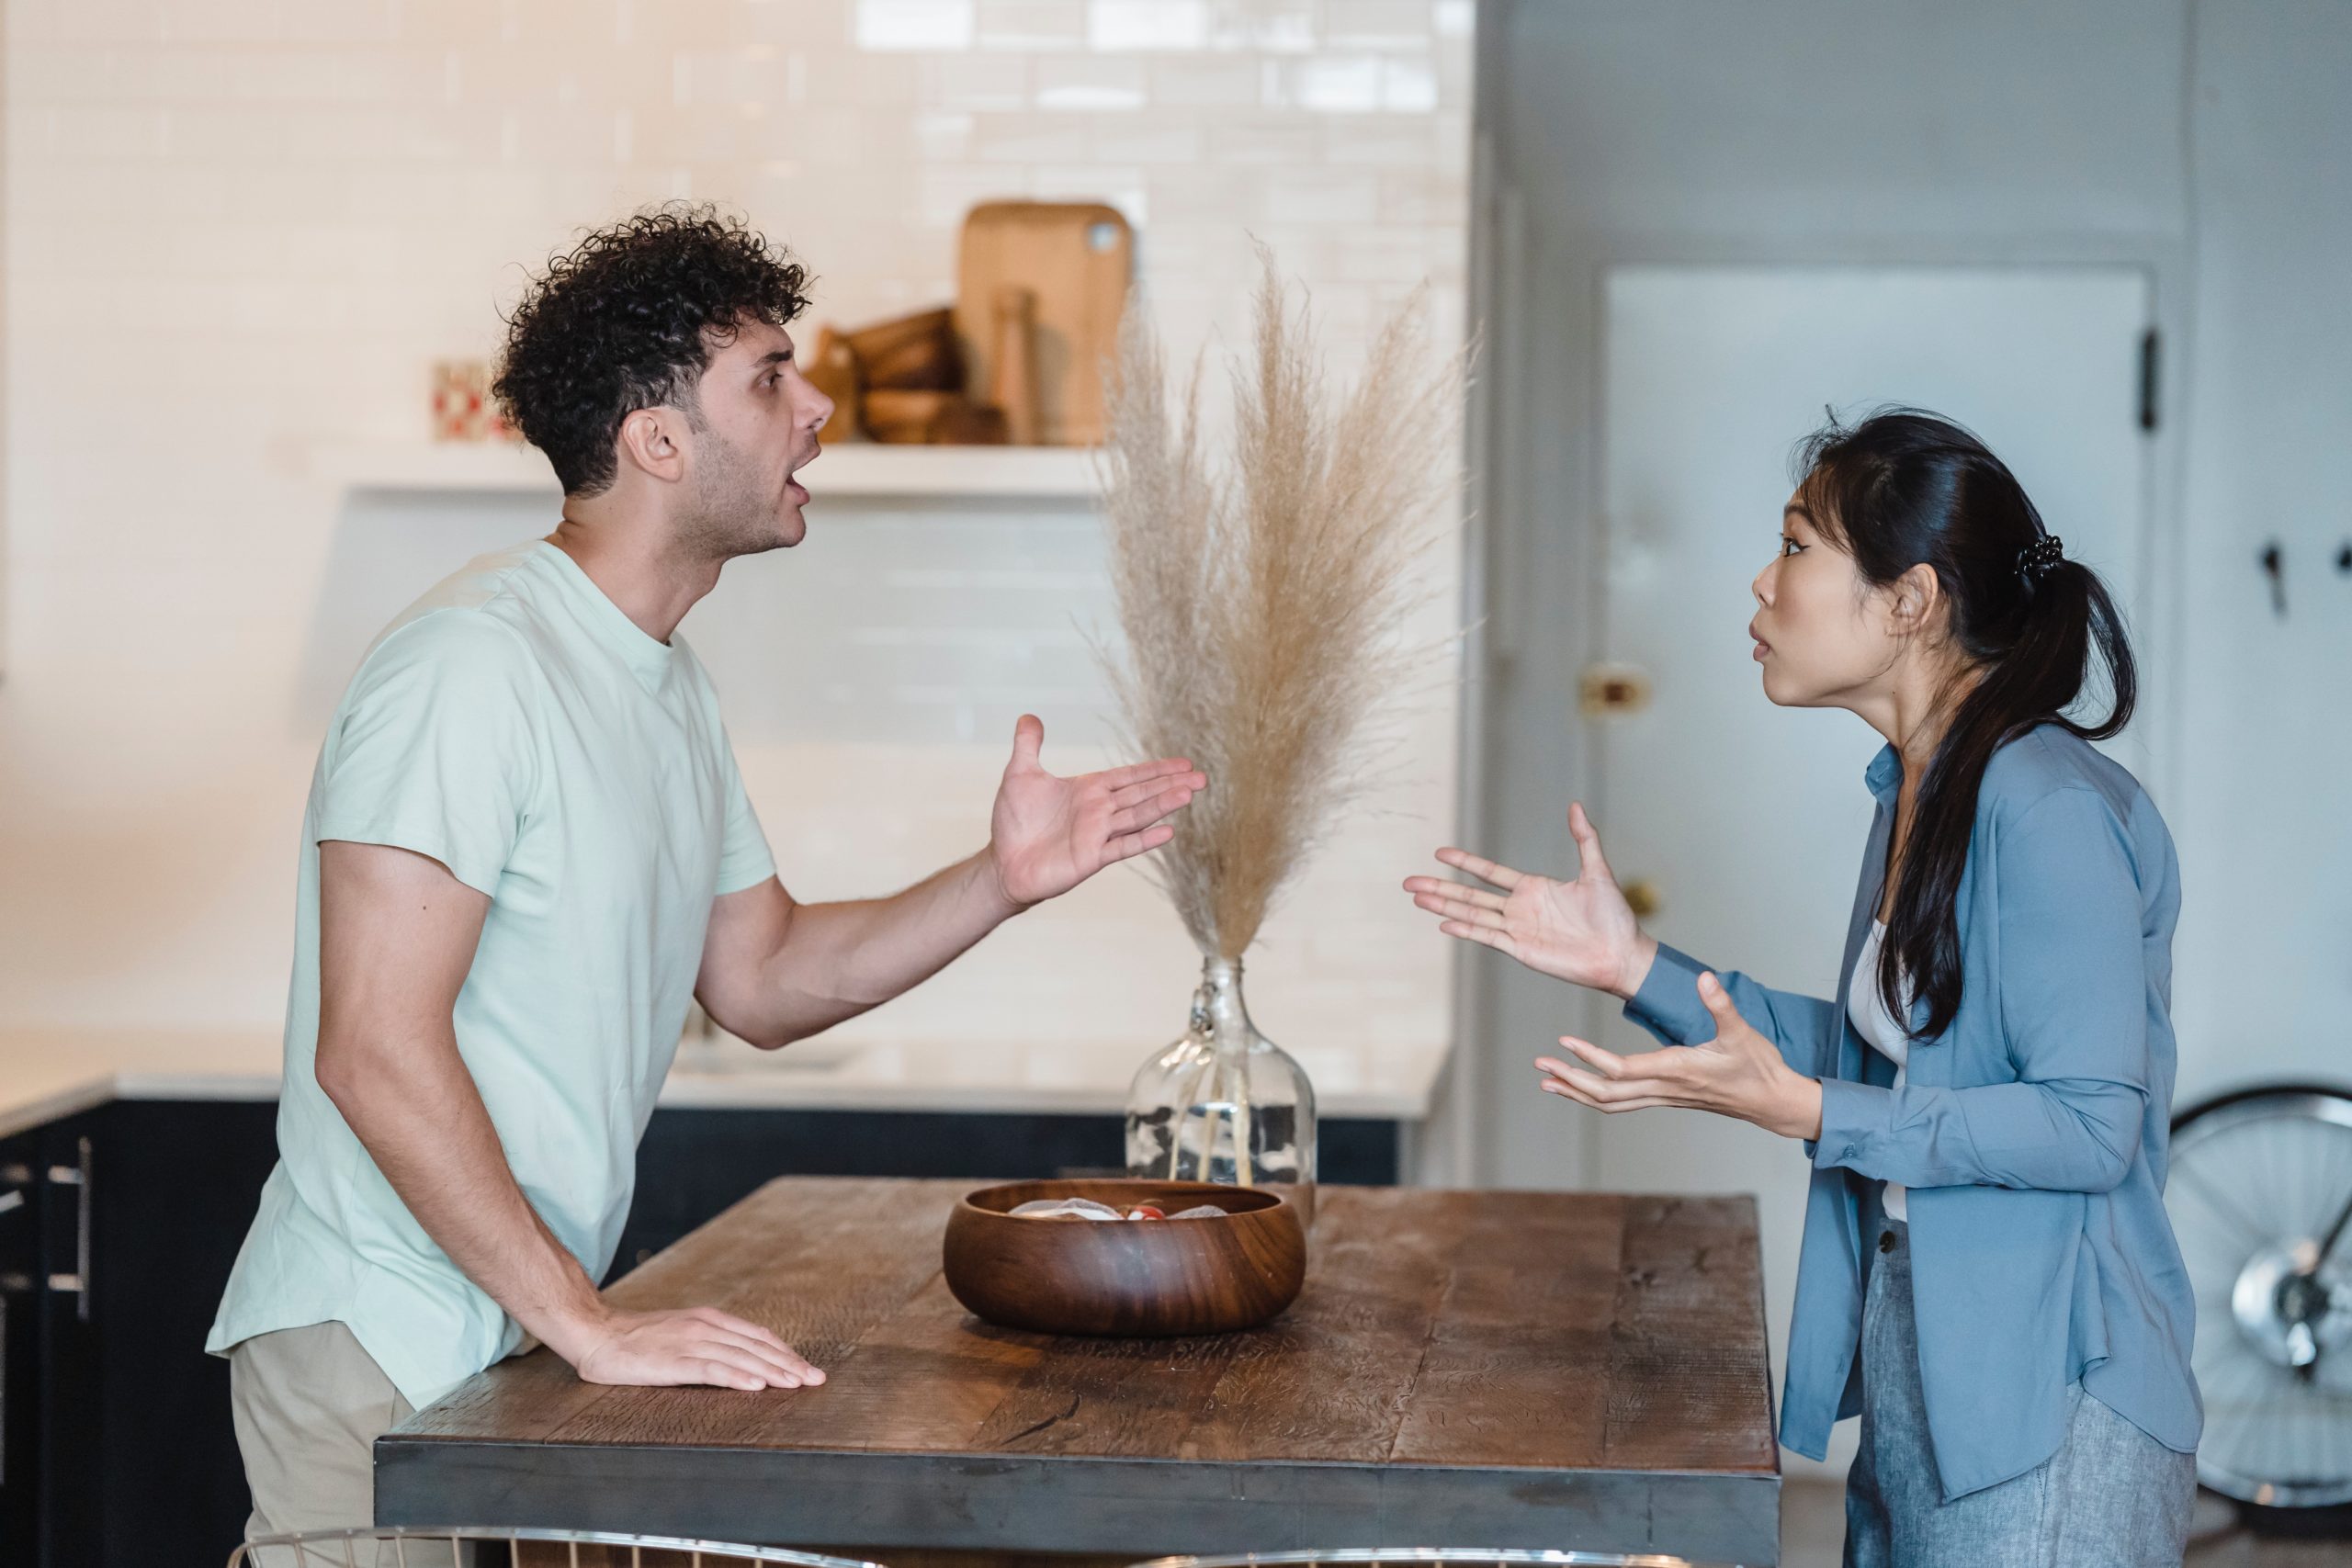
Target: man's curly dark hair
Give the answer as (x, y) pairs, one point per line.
(628, 320)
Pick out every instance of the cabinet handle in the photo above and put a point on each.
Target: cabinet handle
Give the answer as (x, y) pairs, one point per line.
(76, 1176)
(18, 1176)
(12, 1198)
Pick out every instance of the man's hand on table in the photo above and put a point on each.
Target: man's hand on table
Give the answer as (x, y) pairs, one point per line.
(695, 1345)
(1047, 834)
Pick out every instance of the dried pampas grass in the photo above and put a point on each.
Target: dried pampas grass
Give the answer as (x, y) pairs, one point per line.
(1264, 604)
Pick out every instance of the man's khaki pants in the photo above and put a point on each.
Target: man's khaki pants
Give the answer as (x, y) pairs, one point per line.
(309, 1406)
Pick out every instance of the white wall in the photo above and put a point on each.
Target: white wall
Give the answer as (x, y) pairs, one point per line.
(2263, 812)
(238, 228)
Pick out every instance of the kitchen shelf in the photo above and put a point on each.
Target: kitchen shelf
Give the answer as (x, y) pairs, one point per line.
(863, 469)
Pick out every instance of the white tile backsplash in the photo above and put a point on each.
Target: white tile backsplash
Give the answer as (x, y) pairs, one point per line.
(233, 228)
(1033, 27)
(1128, 25)
(917, 23)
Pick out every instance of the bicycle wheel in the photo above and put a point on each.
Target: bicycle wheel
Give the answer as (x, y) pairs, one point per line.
(2260, 1194)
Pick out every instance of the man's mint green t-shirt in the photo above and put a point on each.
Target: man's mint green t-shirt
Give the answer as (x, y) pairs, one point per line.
(516, 726)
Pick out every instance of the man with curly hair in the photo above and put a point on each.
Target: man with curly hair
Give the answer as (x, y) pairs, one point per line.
(527, 847)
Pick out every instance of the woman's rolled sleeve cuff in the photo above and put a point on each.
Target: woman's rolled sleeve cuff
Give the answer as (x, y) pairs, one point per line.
(1853, 1119)
(1668, 1004)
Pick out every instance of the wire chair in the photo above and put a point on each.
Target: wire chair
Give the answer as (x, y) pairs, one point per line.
(396, 1546)
(1405, 1556)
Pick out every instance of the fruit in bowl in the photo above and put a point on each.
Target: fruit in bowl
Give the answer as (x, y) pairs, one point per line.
(1088, 1209)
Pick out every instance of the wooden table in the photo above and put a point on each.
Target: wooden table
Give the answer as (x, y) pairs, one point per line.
(1572, 1371)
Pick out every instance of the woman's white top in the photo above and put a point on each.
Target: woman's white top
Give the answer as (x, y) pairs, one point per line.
(1886, 1036)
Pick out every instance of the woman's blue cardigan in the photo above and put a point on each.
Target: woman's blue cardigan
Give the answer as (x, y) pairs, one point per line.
(2031, 1134)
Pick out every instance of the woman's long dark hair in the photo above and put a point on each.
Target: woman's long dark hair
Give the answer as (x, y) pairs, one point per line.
(1905, 488)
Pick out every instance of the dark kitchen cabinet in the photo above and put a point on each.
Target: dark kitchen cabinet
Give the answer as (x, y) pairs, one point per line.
(175, 1183)
(20, 1362)
(50, 1415)
(116, 1445)
(117, 1230)
(73, 1415)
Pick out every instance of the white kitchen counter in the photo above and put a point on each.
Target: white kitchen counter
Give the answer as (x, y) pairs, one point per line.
(45, 1075)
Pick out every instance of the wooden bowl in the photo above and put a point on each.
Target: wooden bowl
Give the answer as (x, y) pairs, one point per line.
(1131, 1277)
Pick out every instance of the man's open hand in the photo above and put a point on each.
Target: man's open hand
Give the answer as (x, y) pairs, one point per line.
(696, 1345)
(1049, 834)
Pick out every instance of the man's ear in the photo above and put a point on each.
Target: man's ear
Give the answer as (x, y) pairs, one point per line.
(655, 440)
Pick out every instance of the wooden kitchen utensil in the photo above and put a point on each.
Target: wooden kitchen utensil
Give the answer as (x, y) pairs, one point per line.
(911, 353)
(1075, 259)
(834, 370)
(1013, 386)
(1125, 1277)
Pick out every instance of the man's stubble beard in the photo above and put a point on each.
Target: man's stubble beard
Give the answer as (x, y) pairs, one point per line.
(732, 512)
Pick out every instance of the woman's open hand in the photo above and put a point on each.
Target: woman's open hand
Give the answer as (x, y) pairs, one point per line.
(1738, 1073)
(1581, 931)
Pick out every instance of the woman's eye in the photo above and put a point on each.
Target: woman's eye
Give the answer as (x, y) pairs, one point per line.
(1789, 547)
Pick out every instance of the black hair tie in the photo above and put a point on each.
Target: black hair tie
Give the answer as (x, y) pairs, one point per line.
(2039, 558)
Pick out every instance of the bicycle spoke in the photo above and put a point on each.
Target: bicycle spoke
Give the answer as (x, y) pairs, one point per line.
(2222, 1203)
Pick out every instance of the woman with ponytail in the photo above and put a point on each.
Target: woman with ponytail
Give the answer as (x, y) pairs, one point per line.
(1995, 1076)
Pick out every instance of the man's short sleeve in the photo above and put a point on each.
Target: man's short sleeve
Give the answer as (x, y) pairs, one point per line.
(744, 859)
(432, 749)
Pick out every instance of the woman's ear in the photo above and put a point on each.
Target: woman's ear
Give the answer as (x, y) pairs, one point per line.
(1915, 601)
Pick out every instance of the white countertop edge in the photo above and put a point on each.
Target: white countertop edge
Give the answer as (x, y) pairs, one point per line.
(23, 1115)
(755, 1088)
(781, 1088)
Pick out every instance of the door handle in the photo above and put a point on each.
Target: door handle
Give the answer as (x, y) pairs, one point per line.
(76, 1176)
(1606, 690)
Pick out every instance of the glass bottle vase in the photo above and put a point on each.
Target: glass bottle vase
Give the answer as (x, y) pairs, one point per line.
(1224, 1103)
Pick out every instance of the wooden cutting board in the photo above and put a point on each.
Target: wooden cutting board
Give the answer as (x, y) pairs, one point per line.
(1075, 258)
